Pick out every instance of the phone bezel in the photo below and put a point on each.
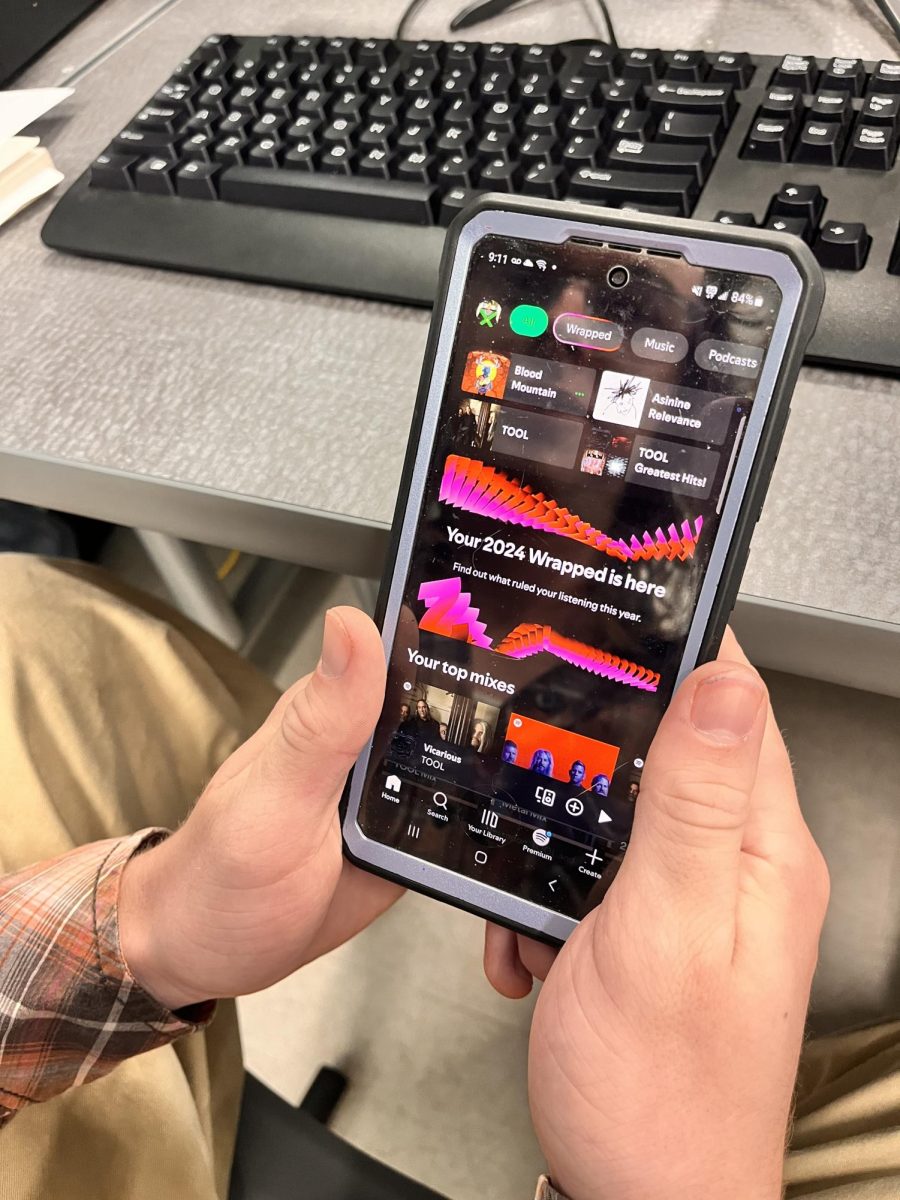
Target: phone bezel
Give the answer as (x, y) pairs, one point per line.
(520, 220)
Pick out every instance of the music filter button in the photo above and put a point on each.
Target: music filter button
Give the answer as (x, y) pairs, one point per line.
(661, 345)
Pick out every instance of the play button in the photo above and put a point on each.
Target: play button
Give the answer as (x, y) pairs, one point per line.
(604, 817)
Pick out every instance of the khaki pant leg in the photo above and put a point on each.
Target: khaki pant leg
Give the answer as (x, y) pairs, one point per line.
(846, 1138)
(114, 713)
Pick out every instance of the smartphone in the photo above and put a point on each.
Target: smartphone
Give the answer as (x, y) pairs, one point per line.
(600, 408)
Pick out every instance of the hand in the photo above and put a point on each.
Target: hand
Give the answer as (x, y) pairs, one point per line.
(254, 885)
(666, 1038)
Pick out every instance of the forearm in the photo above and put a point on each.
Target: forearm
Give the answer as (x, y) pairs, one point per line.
(70, 1008)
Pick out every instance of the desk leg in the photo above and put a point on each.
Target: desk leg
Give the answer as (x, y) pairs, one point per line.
(191, 579)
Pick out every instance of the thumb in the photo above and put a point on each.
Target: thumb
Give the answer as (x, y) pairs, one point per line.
(319, 726)
(697, 786)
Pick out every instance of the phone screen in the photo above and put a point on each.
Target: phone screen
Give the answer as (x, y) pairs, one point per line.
(591, 417)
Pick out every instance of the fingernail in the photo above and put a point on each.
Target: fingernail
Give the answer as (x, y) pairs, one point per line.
(335, 647)
(726, 706)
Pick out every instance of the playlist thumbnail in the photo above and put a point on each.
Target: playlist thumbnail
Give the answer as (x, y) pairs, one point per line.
(605, 453)
(431, 715)
(559, 754)
(621, 398)
(485, 374)
(472, 426)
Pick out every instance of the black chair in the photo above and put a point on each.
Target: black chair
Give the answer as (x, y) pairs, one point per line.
(287, 1153)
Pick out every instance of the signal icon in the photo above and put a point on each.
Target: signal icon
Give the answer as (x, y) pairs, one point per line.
(711, 291)
(542, 264)
(723, 295)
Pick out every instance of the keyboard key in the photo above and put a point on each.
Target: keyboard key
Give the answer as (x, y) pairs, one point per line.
(832, 106)
(376, 163)
(820, 142)
(582, 150)
(337, 160)
(162, 118)
(730, 67)
(590, 120)
(454, 140)
(600, 62)
(872, 147)
(644, 65)
(688, 65)
(798, 226)
(500, 175)
(266, 152)
(376, 54)
(416, 167)
(705, 129)
(621, 93)
(798, 200)
(782, 102)
(879, 109)
(724, 217)
(646, 156)
(582, 89)
(301, 156)
(545, 59)
(796, 70)
(539, 147)
(453, 203)
(633, 123)
(231, 150)
(844, 74)
(342, 195)
(639, 187)
(197, 180)
(114, 171)
(542, 118)
(459, 170)
(769, 139)
(545, 179)
(142, 141)
(496, 143)
(155, 175)
(693, 97)
(339, 50)
(200, 147)
(885, 78)
(842, 245)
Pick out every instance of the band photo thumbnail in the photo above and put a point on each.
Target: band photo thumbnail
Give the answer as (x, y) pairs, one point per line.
(472, 426)
(431, 715)
(605, 453)
(559, 754)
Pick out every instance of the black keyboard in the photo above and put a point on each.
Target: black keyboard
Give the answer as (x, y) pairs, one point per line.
(335, 163)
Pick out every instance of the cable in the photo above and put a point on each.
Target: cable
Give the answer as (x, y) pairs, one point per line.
(889, 12)
(607, 20)
(408, 13)
(482, 10)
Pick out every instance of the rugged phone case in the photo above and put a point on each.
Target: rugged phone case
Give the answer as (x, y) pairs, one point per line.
(808, 309)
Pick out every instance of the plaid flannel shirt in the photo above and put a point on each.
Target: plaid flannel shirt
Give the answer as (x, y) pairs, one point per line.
(70, 1010)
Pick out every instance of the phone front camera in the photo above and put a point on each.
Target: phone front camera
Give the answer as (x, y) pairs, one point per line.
(617, 277)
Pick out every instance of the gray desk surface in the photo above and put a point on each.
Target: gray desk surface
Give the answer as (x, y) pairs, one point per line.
(228, 412)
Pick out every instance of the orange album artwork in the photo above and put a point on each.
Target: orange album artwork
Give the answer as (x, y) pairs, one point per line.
(485, 374)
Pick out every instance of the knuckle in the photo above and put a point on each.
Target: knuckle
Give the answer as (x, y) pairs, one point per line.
(305, 721)
(701, 801)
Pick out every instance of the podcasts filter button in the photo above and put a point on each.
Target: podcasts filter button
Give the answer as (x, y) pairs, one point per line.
(594, 333)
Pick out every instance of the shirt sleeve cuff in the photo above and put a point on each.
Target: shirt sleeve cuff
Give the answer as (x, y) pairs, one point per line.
(546, 1190)
(111, 961)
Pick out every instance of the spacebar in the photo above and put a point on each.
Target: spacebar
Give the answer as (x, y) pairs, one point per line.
(340, 195)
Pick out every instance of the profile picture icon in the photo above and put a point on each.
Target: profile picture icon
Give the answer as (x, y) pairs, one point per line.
(621, 398)
(488, 313)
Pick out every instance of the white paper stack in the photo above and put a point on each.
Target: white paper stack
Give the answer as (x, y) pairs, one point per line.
(26, 168)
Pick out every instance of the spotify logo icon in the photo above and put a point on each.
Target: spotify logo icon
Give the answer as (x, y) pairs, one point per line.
(541, 837)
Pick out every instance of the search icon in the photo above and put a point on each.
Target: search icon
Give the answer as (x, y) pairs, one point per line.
(439, 799)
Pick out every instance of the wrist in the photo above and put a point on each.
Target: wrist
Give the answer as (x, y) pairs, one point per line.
(150, 917)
